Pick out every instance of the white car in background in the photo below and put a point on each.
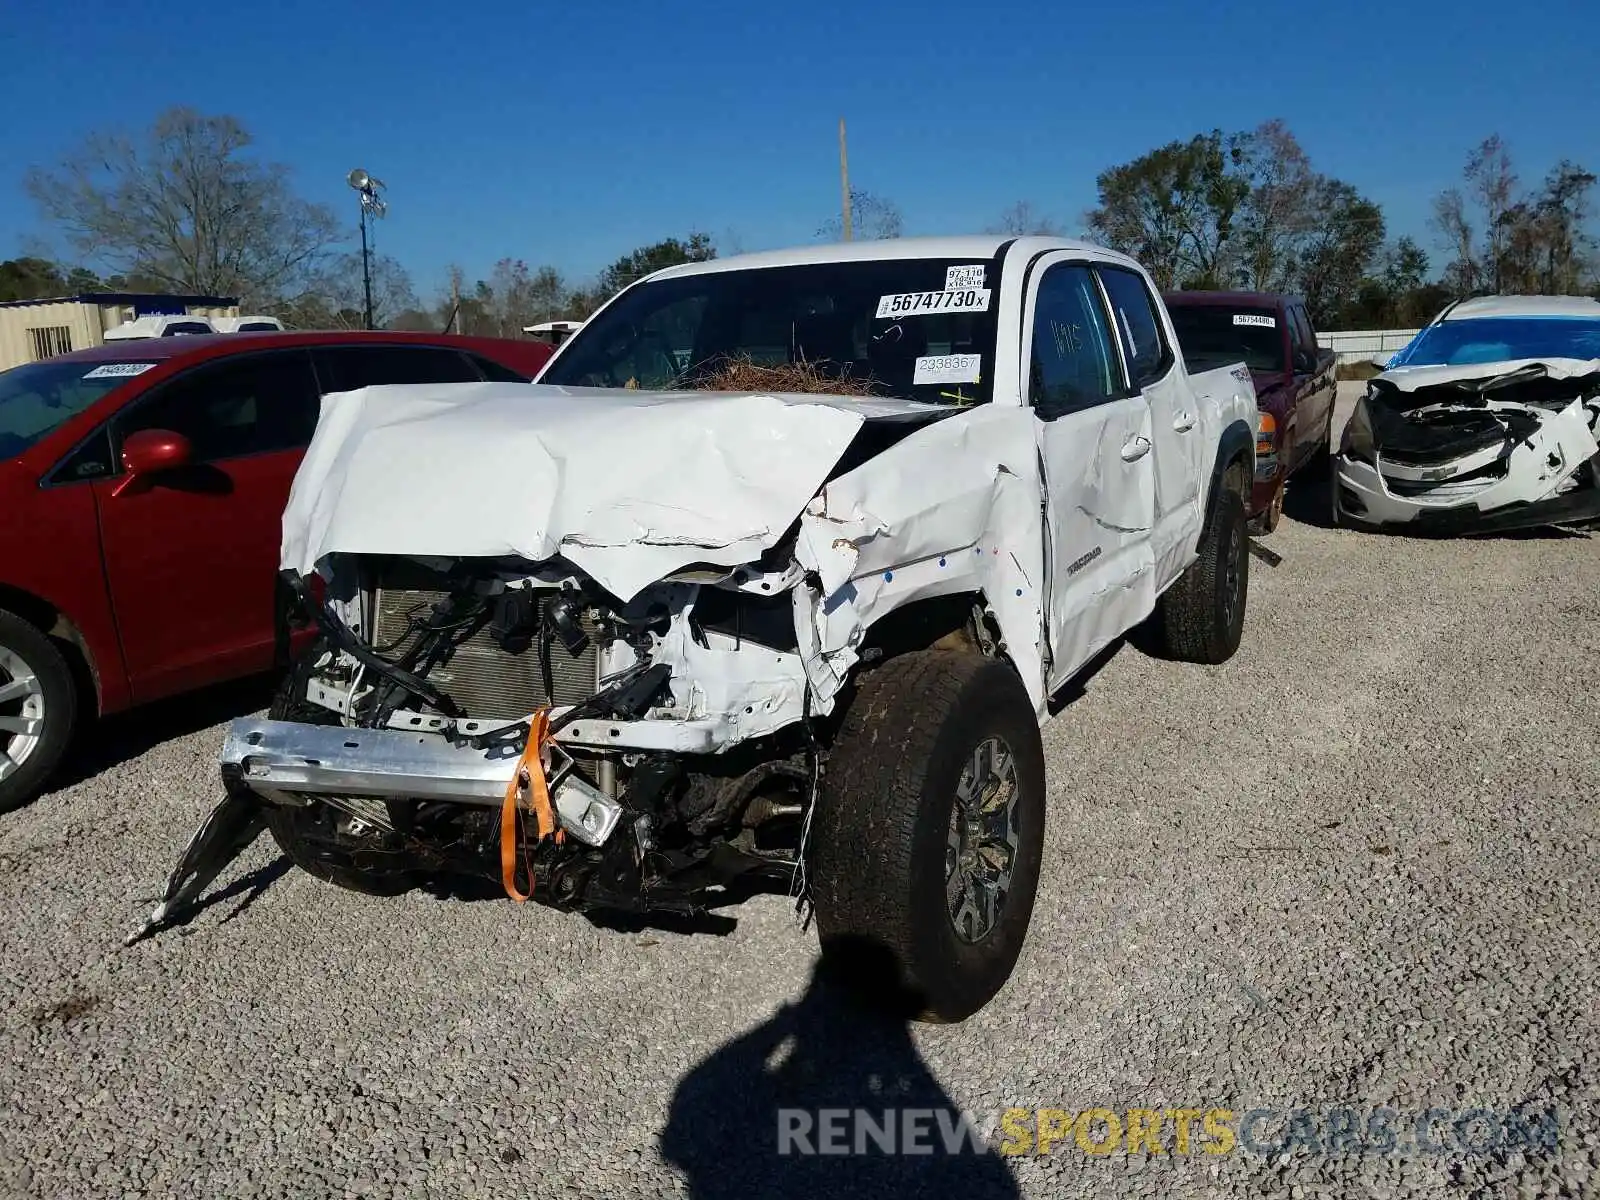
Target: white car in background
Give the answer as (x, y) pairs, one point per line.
(251, 324)
(1485, 422)
(141, 328)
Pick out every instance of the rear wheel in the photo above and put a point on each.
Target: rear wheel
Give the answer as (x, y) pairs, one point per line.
(929, 834)
(320, 839)
(38, 709)
(1202, 615)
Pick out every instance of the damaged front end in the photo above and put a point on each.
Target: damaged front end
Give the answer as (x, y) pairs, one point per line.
(627, 723)
(1480, 449)
(676, 755)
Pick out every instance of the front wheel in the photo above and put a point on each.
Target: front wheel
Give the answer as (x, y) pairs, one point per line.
(929, 834)
(320, 839)
(1202, 614)
(38, 710)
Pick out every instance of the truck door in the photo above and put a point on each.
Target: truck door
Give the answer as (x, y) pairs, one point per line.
(1095, 444)
(1152, 367)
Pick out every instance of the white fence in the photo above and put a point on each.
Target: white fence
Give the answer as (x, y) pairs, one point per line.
(1359, 345)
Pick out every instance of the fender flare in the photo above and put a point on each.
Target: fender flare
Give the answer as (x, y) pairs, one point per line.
(1238, 441)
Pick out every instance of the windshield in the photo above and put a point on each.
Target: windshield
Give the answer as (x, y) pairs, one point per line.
(38, 398)
(1500, 339)
(1214, 335)
(920, 329)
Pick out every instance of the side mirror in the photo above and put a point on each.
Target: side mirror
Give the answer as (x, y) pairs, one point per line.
(1381, 360)
(150, 452)
(1304, 362)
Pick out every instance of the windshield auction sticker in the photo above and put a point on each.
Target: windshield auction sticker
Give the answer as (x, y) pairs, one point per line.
(1254, 319)
(958, 279)
(113, 370)
(916, 304)
(947, 368)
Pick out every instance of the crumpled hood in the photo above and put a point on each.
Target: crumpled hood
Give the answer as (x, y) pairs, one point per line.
(628, 486)
(1411, 379)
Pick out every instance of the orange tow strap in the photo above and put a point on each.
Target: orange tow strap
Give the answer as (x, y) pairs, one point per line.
(528, 788)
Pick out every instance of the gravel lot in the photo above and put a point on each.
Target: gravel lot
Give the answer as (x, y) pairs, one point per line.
(1354, 866)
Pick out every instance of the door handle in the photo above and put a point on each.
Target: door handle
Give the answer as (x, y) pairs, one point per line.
(1183, 422)
(1135, 448)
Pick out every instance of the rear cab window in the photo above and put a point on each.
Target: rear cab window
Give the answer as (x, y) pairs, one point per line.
(1219, 335)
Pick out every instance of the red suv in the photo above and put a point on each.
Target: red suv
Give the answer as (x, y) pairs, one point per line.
(141, 490)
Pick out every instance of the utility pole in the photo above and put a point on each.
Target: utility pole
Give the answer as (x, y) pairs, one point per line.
(844, 179)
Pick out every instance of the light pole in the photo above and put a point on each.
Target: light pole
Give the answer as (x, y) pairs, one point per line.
(372, 203)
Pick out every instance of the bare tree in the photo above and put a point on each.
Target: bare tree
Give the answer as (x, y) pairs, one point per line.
(872, 218)
(1450, 220)
(185, 204)
(1281, 211)
(1530, 242)
(1023, 220)
(1494, 185)
(523, 297)
(337, 298)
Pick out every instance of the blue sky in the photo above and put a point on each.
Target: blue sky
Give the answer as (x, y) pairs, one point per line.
(569, 133)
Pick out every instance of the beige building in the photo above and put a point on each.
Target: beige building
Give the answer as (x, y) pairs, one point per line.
(34, 329)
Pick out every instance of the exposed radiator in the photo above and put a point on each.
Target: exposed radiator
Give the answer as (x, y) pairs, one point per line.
(482, 678)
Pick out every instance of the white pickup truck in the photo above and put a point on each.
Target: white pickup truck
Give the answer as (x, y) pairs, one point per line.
(628, 639)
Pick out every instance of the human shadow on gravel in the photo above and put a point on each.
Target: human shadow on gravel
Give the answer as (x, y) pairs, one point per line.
(767, 1114)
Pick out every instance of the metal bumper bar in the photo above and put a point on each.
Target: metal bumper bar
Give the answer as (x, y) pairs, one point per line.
(285, 756)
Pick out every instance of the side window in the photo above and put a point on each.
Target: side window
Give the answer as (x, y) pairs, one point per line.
(1138, 325)
(251, 405)
(346, 368)
(1073, 363)
(651, 352)
(92, 460)
(1303, 333)
(496, 373)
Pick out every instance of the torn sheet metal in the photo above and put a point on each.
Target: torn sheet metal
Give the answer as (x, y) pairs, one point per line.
(629, 487)
(226, 833)
(954, 507)
(1483, 447)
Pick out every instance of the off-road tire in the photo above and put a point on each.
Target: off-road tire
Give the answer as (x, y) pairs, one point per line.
(291, 826)
(878, 849)
(1201, 616)
(59, 693)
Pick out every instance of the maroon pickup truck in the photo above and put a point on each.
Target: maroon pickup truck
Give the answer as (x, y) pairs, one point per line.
(1294, 378)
